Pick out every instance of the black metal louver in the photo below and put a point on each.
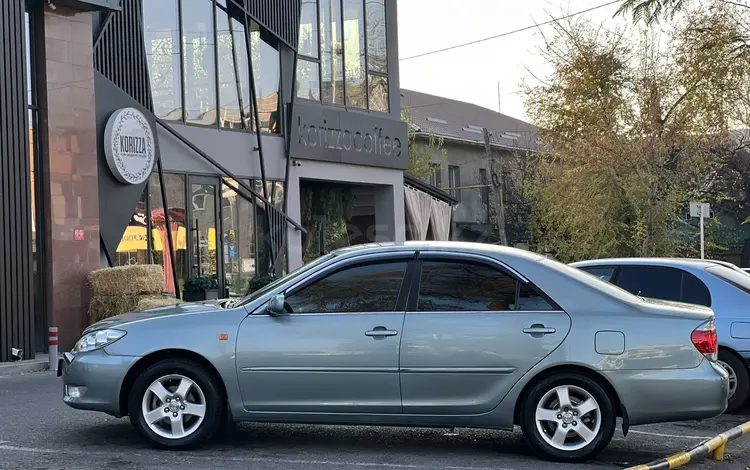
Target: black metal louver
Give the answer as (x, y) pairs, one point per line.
(280, 17)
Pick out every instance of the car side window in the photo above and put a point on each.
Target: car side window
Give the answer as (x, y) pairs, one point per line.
(463, 286)
(605, 274)
(364, 288)
(651, 282)
(694, 291)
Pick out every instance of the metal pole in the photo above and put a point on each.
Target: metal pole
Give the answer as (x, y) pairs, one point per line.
(52, 342)
(170, 241)
(289, 118)
(703, 248)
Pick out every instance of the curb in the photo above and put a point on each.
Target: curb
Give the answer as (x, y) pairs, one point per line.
(24, 367)
(714, 447)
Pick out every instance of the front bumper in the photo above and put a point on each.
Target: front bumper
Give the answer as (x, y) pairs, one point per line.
(98, 376)
(657, 396)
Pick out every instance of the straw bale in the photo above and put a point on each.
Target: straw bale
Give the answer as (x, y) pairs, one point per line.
(130, 281)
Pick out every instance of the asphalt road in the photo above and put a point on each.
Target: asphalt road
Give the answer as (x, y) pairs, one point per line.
(37, 431)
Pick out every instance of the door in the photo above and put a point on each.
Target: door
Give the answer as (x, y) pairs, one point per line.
(471, 331)
(203, 219)
(336, 350)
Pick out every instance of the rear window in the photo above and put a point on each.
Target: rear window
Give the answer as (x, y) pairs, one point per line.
(732, 276)
(592, 281)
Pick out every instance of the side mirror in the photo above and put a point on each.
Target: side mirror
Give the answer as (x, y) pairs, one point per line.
(276, 305)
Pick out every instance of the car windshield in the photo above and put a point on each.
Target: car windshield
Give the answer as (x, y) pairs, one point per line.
(272, 285)
(735, 277)
(593, 281)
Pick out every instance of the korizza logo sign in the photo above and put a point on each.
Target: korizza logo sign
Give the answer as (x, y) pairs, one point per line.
(374, 142)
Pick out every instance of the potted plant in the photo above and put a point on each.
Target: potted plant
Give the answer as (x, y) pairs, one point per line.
(200, 288)
(258, 282)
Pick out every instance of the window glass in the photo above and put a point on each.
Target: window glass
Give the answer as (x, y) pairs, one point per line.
(364, 288)
(230, 116)
(530, 300)
(651, 282)
(175, 189)
(161, 35)
(266, 64)
(243, 69)
(308, 29)
(238, 238)
(377, 52)
(331, 60)
(354, 50)
(308, 80)
(734, 277)
(133, 247)
(605, 274)
(378, 93)
(199, 61)
(694, 291)
(454, 180)
(449, 286)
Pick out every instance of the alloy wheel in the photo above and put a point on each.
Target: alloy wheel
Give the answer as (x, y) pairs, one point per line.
(568, 418)
(732, 378)
(174, 406)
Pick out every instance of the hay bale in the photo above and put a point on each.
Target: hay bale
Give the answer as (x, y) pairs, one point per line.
(156, 301)
(142, 279)
(105, 306)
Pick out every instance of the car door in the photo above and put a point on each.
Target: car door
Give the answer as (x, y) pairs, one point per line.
(472, 330)
(336, 350)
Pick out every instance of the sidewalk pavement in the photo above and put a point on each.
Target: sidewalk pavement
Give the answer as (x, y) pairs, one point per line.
(40, 362)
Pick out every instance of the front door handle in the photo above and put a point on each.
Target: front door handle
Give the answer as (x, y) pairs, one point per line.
(539, 330)
(380, 332)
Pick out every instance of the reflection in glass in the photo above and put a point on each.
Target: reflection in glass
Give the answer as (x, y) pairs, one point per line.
(308, 80)
(229, 96)
(377, 51)
(29, 91)
(274, 192)
(238, 238)
(378, 93)
(266, 64)
(161, 34)
(243, 69)
(175, 189)
(133, 247)
(199, 63)
(331, 50)
(308, 30)
(354, 49)
(203, 221)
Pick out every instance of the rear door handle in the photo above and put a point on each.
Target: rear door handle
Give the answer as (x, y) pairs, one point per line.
(539, 330)
(380, 331)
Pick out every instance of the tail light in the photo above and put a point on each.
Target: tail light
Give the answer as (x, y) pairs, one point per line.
(706, 341)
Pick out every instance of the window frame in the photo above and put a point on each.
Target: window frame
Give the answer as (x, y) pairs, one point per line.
(493, 263)
(348, 263)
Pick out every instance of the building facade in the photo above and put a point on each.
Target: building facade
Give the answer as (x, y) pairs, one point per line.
(464, 168)
(182, 133)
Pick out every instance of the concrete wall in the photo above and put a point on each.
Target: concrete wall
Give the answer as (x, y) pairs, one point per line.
(388, 198)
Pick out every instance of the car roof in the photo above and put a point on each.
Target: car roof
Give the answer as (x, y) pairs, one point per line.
(464, 247)
(669, 262)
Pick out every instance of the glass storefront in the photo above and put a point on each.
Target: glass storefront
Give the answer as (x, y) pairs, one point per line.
(215, 231)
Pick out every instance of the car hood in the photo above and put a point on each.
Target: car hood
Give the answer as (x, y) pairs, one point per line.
(678, 309)
(180, 309)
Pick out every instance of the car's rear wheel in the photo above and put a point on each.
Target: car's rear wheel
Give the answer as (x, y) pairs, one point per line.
(176, 404)
(739, 379)
(568, 417)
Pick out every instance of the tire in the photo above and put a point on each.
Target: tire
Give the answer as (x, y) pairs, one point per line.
(598, 422)
(201, 411)
(742, 378)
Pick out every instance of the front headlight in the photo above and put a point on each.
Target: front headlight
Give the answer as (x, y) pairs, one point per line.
(97, 340)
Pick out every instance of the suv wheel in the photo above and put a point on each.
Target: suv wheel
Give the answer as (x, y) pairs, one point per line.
(568, 417)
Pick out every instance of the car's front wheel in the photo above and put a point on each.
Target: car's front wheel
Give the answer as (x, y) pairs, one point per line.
(568, 417)
(176, 404)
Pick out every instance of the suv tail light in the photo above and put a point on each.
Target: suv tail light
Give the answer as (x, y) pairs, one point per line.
(706, 341)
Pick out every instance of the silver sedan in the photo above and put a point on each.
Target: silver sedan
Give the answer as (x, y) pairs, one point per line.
(415, 334)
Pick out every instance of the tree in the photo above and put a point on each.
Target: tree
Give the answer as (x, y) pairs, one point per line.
(423, 148)
(633, 129)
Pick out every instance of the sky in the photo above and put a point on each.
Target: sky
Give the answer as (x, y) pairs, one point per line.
(472, 73)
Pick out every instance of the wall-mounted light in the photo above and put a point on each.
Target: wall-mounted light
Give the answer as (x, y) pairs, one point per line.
(52, 6)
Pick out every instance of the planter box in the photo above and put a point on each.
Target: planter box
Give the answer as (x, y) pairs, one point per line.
(200, 296)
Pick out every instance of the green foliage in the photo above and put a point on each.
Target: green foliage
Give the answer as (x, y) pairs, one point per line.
(259, 282)
(201, 284)
(326, 206)
(650, 11)
(421, 153)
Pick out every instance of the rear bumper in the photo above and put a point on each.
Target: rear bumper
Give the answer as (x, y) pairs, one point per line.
(656, 396)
